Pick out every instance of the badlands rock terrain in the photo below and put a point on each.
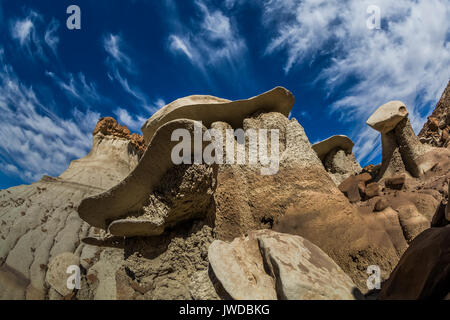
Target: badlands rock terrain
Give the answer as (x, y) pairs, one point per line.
(141, 227)
(40, 222)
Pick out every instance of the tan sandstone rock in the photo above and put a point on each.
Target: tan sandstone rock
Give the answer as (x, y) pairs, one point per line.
(403, 153)
(341, 142)
(40, 221)
(239, 268)
(381, 204)
(436, 131)
(386, 117)
(296, 269)
(413, 223)
(210, 109)
(299, 198)
(337, 157)
(103, 274)
(131, 194)
(57, 271)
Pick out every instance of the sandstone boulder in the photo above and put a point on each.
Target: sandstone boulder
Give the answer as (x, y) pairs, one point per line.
(424, 270)
(350, 187)
(295, 269)
(57, 272)
(355, 186)
(412, 222)
(239, 267)
(386, 117)
(354, 240)
(131, 194)
(372, 190)
(395, 182)
(381, 204)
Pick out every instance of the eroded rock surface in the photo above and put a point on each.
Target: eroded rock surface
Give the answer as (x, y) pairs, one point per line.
(270, 265)
(57, 271)
(300, 198)
(436, 131)
(336, 154)
(210, 109)
(402, 150)
(171, 266)
(40, 221)
(424, 270)
(166, 227)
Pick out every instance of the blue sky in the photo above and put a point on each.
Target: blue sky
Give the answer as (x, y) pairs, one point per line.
(133, 56)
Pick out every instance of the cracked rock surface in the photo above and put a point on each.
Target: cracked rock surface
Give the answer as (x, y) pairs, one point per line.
(40, 222)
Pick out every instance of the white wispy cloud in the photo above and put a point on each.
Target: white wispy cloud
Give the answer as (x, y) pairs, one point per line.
(177, 43)
(113, 45)
(51, 38)
(77, 87)
(35, 141)
(34, 34)
(120, 66)
(214, 39)
(22, 30)
(133, 122)
(408, 59)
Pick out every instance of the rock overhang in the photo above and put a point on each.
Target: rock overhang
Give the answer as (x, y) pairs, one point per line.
(109, 208)
(209, 109)
(387, 116)
(322, 148)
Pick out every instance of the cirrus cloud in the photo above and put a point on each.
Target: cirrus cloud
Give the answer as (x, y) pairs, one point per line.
(407, 59)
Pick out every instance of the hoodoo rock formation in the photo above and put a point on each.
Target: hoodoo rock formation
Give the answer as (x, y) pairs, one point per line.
(138, 206)
(209, 109)
(336, 154)
(161, 200)
(403, 153)
(424, 270)
(141, 226)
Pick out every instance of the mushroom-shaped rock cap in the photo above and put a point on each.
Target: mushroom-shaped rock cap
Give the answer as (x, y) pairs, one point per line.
(209, 109)
(324, 147)
(388, 116)
(129, 195)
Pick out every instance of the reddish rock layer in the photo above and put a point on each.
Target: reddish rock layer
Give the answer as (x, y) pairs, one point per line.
(436, 130)
(109, 126)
